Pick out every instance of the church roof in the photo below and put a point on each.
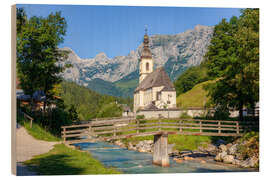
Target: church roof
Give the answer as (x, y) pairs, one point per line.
(156, 79)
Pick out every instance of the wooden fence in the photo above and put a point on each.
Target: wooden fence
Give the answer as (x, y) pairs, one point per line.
(125, 128)
(27, 117)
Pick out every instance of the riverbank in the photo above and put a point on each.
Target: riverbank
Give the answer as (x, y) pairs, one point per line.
(241, 152)
(134, 162)
(39, 157)
(62, 160)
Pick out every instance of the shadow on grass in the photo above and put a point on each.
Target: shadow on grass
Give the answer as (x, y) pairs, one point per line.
(53, 165)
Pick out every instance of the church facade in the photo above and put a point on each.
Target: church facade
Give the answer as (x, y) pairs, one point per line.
(155, 91)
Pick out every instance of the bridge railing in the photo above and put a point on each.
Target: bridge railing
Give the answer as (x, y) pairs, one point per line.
(123, 128)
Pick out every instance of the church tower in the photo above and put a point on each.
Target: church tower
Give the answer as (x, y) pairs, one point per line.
(146, 61)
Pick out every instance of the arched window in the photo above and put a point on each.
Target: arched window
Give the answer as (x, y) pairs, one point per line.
(147, 66)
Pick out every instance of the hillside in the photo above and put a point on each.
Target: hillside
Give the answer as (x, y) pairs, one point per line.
(90, 104)
(118, 75)
(196, 97)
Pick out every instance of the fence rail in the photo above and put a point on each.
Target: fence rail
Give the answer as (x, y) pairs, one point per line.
(26, 116)
(130, 127)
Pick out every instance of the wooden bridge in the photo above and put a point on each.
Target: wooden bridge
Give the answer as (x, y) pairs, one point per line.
(106, 130)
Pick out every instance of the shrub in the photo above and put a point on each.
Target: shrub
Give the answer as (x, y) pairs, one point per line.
(185, 116)
(249, 146)
(140, 117)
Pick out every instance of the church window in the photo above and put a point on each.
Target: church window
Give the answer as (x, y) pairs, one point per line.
(147, 66)
(158, 96)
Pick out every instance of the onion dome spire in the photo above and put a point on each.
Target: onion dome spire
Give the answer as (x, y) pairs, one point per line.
(146, 53)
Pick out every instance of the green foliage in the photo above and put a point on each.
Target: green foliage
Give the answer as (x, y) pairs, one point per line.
(185, 116)
(89, 104)
(250, 145)
(233, 58)
(221, 113)
(140, 117)
(190, 78)
(110, 110)
(62, 160)
(38, 56)
(73, 115)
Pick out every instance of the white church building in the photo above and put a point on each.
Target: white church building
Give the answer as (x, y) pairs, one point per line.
(155, 95)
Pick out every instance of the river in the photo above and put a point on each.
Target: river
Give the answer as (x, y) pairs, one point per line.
(133, 162)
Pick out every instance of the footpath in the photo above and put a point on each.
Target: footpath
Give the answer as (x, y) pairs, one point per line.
(26, 148)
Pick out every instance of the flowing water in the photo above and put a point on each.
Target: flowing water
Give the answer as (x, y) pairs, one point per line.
(133, 162)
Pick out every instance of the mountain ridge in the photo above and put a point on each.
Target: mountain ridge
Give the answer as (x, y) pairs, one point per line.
(175, 52)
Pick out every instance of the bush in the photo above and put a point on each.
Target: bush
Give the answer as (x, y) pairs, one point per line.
(222, 113)
(249, 146)
(140, 117)
(110, 110)
(185, 116)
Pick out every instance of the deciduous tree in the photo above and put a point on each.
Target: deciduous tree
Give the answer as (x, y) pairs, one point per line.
(233, 58)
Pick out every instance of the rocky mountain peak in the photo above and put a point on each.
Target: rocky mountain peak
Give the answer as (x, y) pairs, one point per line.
(175, 52)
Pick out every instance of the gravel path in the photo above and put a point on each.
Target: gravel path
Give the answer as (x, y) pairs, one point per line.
(27, 147)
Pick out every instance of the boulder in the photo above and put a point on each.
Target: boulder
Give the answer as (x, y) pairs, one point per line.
(118, 143)
(186, 158)
(250, 162)
(228, 159)
(148, 141)
(178, 160)
(131, 146)
(229, 145)
(210, 148)
(233, 149)
(223, 148)
(220, 156)
(236, 162)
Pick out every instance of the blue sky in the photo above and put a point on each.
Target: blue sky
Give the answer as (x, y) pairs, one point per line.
(117, 30)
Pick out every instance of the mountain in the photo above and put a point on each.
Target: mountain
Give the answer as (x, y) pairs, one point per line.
(119, 75)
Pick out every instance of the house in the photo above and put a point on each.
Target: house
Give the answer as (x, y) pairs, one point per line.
(155, 91)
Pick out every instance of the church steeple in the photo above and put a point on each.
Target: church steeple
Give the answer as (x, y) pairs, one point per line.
(146, 53)
(146, 61)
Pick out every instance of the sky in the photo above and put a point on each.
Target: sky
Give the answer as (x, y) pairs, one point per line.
(117, 30)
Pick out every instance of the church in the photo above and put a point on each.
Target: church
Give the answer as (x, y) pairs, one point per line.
(155, 91)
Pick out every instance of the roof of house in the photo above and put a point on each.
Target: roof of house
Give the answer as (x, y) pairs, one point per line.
(156, 79)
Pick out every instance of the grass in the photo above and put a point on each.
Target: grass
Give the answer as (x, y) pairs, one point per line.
(36, 131)
(39, 133)
(196, 97)
(62, 160)
(182, 142)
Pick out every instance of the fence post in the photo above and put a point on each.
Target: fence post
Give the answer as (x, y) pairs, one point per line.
(64, 134)
(138, 125)
(31, 122)
(159, 124)
(219, 130)
(180, 126)
(90, 130)
(114, 130)
(237, 127)
(200, 126)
